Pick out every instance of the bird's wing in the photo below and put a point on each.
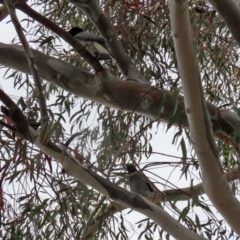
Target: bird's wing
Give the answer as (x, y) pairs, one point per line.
(101, 48)
(147, 181)
(150, 186)
(86, 36)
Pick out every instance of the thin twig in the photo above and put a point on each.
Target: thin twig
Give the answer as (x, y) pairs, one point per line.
(31, 62)
(90, 219)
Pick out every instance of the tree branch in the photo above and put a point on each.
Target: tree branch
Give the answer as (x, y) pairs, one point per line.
(116, 193)
(230, 12)
(181, 194)
(31, 63)
(16, 115)
(122, 95)
(86, 231)
(21, 5)
(96, 15)
(214, 180)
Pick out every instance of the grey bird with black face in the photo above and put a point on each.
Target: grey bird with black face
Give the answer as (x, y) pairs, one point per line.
(94, 44)
(137, 182)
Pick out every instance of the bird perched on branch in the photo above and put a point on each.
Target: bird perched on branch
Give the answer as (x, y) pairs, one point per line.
(137, 182)
(94, 44)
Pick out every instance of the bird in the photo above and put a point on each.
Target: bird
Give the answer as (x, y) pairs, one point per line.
(94, 44)
(138, 184)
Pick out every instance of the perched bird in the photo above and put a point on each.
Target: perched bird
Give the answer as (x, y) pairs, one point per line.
(95, 44)
(138, 183)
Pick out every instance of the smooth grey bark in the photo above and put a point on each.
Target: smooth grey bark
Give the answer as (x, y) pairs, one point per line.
(214, 180)
(118, 194)
(230, 12)
(110, 91)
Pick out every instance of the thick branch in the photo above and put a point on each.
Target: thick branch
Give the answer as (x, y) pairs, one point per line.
(230, 12)
(181, 194)
(214, 180)
(116, 193)
(126, 96)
